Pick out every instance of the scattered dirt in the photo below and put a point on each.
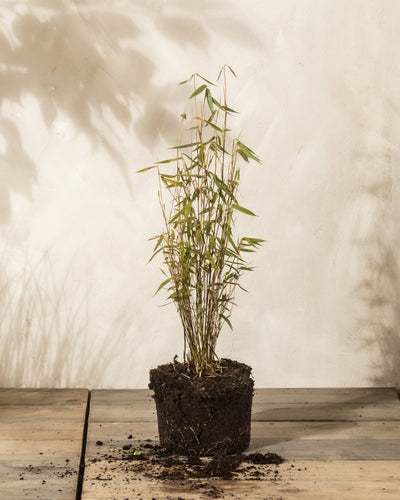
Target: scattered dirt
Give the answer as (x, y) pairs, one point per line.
(203, 415)
(46, 470)
(147, 460)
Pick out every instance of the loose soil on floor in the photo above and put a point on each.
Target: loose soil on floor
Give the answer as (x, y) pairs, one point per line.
(146, 460)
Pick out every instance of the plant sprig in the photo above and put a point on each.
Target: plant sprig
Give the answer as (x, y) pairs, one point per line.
(202, 255)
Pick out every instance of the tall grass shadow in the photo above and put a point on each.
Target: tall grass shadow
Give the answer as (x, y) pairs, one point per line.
(379, 290)
(44, 329)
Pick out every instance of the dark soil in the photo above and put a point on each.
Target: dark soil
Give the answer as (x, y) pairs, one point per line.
(203, 415)
(154, 462)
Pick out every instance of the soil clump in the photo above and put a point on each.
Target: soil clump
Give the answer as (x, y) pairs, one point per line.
(206, 414)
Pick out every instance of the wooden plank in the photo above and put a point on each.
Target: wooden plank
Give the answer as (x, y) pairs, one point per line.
(366, 444)
(326, 411)
(265, 395)
(40, 431)
(122, 397)
(141, 408)
(118, 431)
(338, 443)
(40, 442)
(41, 397)
(122, 406)
(331, 480)
(32, 413)
(301, 480)
(34, 486)
(145, 412)
(330, 449)
(324, 430)
(326, 395)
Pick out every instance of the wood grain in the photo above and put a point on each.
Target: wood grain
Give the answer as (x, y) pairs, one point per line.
(337, 443)
(40, 442)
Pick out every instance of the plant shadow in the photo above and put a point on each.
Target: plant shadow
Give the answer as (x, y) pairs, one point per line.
(44, 329)
(87, 61)
(379, 293)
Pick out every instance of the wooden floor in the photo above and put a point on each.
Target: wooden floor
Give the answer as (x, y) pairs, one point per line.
(41, 433)
(337, 444)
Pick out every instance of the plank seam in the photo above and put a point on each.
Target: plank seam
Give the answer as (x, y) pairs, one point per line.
(83, 449)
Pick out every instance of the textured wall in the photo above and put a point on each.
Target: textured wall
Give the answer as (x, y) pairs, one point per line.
(88, 96)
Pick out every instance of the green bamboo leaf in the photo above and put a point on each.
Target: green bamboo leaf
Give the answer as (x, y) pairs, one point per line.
(245, 268)
(170, 160)
(146, 169)
(159, 241)
(235, 254)
(170, 182)
(209, 100)
(227, 321)
(165, 282)
(217, 146)
(224, 187)
(154, 254)
(229, 236)
(217, 103)
(205, 79)
(198, 235)
(211, 260)
(231, 70)
(243, 155)
(170, 176)
(213, 125)
(254, 241)
(187, 209)
(230, 275)
(175, 218)
(229, 110)
(247, 151)
(182, 146)
(155, 237)
(211, 243)
(186, 81)
(198, 91)
(244, 210)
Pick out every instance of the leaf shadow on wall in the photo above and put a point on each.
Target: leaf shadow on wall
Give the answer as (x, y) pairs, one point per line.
(43, 329)
(379, 291)
(83, 59)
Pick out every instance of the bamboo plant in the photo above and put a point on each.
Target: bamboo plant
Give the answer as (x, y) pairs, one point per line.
(202, 256)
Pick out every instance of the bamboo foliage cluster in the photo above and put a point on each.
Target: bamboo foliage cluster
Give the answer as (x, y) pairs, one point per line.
(204, 259)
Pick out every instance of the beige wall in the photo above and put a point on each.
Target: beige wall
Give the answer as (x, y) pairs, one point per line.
(89, 96)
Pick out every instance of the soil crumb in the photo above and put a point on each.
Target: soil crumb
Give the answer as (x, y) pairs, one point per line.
(149, 460)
